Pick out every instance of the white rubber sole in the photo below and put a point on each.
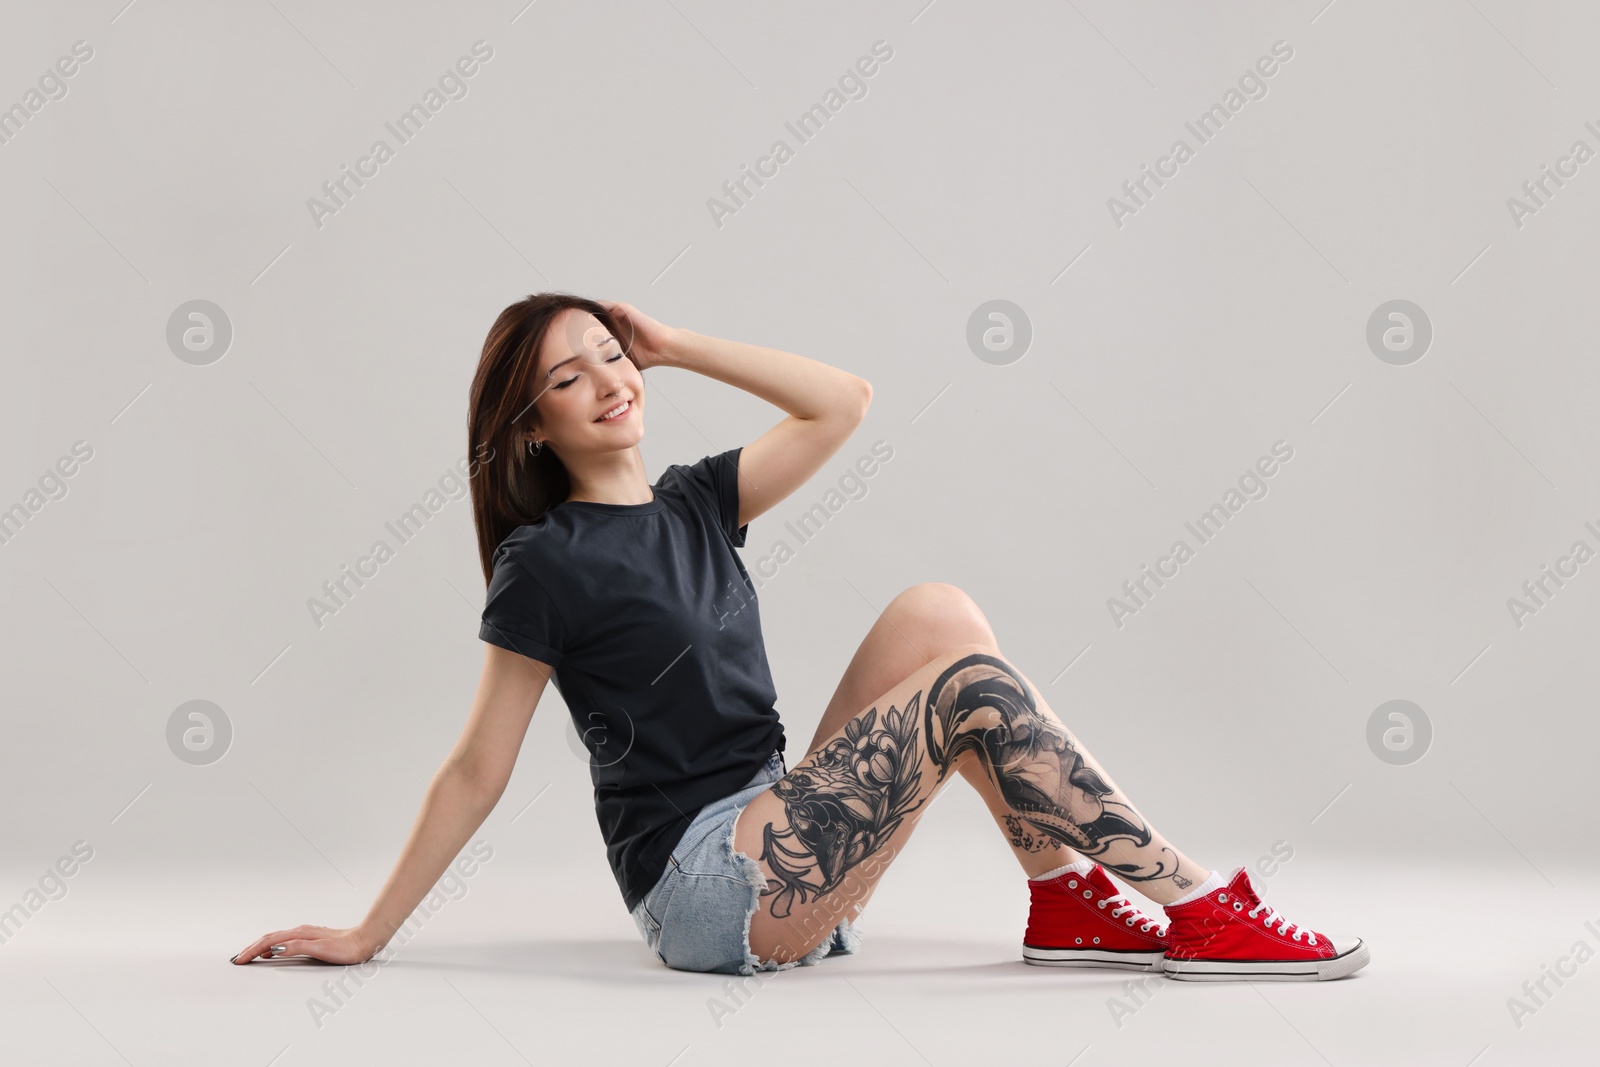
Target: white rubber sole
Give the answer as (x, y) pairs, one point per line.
(1346, 963)
(1092, 957)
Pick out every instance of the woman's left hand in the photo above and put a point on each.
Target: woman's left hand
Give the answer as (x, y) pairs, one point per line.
(650, 338)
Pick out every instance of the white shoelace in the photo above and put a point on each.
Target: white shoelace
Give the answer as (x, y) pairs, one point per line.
(1122, 905)
(1284, 925)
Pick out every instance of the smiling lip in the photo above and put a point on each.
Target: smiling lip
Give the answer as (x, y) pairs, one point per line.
(626, 412)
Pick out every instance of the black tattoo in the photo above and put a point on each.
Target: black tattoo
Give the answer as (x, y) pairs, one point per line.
(843, 804)
(1180, 881)
(846, 801)
(1021, 838)
(1038, 772)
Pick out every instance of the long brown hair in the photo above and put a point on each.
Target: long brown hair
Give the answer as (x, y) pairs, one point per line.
(512, 486)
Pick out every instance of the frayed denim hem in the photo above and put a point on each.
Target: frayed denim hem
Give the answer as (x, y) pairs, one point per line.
(844, 939)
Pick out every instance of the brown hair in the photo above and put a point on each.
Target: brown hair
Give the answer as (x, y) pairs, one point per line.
(512, 486)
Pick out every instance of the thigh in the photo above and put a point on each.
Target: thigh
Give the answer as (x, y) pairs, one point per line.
(921, 622)
(824, 833)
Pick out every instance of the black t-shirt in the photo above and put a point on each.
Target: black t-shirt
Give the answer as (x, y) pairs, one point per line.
(650, 620)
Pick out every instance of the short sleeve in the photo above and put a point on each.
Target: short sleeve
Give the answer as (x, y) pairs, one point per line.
(715, 479)
(519, 614)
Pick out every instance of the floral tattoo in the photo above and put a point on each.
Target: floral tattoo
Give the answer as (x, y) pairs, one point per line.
(845, 801)
(843, 804)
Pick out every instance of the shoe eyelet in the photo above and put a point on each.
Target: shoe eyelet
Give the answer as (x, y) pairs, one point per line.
(1238, 905)
(1087, 894)
(1097, 940)
(1222, 898)
(1101, 905)
(1080, 941)
(1130, 922)
(1072, 883)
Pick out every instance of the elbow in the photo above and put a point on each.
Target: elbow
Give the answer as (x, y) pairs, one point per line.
(847, 405)
(864, 399)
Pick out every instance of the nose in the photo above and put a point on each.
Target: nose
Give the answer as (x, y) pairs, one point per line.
(613, 376)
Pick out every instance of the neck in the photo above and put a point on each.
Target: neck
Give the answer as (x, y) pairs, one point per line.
(610, 478)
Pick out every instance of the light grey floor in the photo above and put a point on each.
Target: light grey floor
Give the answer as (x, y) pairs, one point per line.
(540, 964)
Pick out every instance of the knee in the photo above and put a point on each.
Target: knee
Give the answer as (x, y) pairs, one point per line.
(939, 617)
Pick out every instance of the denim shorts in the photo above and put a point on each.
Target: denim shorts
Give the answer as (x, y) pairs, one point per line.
(697, 917)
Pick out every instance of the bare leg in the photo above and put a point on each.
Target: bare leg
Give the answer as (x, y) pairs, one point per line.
(824, 833)
(923, 621)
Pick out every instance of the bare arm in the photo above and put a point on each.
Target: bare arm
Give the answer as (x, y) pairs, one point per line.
(455, 806)
(825, 404)
(805, 388)
(464, 790)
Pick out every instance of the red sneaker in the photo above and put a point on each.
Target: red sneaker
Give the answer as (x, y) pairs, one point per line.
(1230, 935)
(1082, 921)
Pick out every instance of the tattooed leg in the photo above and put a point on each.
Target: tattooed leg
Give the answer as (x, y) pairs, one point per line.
(983, 704)
(824, 832)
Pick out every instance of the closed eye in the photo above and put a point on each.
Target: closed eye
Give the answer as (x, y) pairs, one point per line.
(575, 377)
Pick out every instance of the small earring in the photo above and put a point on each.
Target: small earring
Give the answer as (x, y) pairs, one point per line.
(535, 447)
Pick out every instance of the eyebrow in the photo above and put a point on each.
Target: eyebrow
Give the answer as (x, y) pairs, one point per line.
(570, 358)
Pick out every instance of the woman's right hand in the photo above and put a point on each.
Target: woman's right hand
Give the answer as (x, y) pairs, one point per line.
(324, 943)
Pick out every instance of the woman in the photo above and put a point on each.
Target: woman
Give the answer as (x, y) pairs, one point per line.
(632, 598)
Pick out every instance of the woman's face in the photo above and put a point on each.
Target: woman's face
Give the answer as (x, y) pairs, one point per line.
(582, 375)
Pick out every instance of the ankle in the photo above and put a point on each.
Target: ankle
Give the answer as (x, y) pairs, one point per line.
(1079, 866)
(1210, 885)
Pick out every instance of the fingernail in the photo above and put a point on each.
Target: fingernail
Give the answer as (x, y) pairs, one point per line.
(233, 957)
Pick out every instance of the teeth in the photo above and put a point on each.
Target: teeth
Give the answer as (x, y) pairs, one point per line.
(614, 412)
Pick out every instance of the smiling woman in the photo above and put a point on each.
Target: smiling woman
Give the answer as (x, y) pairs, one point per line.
(727, 860)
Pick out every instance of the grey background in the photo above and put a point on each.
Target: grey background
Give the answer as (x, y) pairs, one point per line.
(1167, 355)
